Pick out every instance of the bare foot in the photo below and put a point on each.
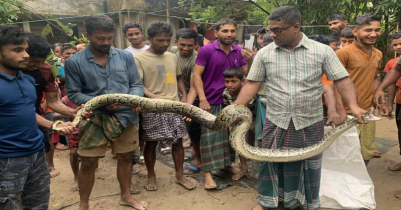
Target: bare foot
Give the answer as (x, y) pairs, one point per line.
(60, 146)
(209, 182)
(151, 184)
(232, 170)
(54, 172)
(240, 174)
(83, 206)
(397, 194)
(377, 154)
(75, 187)
(396, 167)
(258, 207)
(132, 202)
(185, 183)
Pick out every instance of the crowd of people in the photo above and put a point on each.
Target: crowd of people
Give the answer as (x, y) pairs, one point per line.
(294, 85)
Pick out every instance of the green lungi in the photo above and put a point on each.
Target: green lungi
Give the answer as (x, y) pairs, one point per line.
(216, 152)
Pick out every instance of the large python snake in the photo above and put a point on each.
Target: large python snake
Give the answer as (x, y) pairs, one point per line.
(222, 121)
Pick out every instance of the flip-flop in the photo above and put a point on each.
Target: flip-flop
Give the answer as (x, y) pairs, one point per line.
(193, 169)
(189, 157)
(141, 160)
(166, 150)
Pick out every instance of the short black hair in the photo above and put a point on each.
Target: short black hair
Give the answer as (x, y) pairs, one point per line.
(12, 35)
(336, 16)
(347, 33)
(67, 46)
(187, 33)
(224, 21)
(286, 14)
(200, 40)
(234, 72)
(131, 25)
(396, 35)
(99, 22)
(267, 37)
(333, 38)
(320, 38)
(38, 46)
(366, 19)
(56, 45)
(158, 28)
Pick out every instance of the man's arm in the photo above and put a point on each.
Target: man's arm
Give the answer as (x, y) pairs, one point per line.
(192, 93)
(391, 91)
(348, 92)
(248, 92)
(135, 85)
(198, 83)
(74, 84)
(181, 88)
(66, 128)
(390, 79)
(54, 103)
(329, 96)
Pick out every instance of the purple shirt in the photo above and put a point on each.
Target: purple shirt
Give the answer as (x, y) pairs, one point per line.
(216, 61)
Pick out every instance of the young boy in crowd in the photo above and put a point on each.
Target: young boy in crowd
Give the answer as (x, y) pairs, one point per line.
(334, 42)
(346, 37)
(234, 80)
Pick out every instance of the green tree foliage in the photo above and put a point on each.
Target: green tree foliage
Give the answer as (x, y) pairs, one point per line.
(9, 10)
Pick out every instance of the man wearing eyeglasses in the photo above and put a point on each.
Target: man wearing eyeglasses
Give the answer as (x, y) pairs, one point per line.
(292, 68)
(362, 61)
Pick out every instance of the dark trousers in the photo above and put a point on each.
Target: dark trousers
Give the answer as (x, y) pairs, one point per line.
(25, 180)
(398, 121)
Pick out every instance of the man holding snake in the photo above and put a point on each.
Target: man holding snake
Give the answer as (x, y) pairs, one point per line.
(292, 69)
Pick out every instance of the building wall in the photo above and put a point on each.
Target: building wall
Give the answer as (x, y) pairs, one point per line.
(65, 7)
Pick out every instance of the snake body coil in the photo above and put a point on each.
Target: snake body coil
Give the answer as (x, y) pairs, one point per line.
(222, 121)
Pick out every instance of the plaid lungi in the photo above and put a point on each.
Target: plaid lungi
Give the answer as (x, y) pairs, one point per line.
(296, 184)
(216, 152)
(99, 130)
(165, 128)
(367, 133)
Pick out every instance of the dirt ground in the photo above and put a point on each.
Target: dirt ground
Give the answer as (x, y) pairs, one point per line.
(171, 196)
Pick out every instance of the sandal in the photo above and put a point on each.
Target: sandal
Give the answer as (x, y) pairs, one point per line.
(192, 169)
(141, 160)
(166, 150)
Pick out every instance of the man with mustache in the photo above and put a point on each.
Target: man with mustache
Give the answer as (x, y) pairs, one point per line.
(337, 22)
(212, 61)
(162, 79)
(362, 61)
(97, 70)
(24, 174)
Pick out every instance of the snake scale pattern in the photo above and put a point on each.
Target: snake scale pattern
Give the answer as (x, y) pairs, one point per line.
(222, 121)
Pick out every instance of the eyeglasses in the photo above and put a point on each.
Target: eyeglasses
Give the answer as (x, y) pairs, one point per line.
(278, 31)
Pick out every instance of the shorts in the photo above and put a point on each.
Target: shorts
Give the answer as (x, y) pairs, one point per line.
(126, 142)
(73, 142)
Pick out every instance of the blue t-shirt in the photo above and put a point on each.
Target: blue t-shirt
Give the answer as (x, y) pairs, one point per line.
(19, 132)
(61, 71)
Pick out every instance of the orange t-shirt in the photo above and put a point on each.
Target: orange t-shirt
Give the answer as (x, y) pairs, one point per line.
(362, 70)
(390, 65)
(325, 82)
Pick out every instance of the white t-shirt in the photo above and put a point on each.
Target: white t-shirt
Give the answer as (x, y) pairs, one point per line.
(135, 51)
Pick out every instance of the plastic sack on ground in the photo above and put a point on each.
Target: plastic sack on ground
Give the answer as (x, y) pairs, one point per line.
(345, 182)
